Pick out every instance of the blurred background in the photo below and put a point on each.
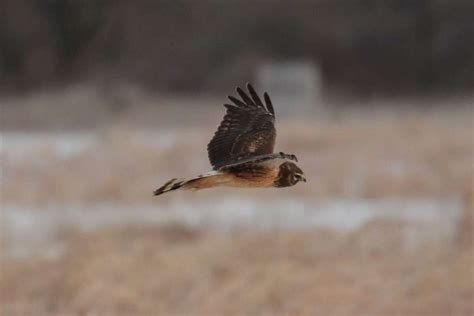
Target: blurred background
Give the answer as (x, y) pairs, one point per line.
(104, 101)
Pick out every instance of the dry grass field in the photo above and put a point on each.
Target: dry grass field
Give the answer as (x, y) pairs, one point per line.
(175, 269)
(406, 154)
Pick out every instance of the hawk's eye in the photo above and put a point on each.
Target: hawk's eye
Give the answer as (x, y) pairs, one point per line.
(299, 177)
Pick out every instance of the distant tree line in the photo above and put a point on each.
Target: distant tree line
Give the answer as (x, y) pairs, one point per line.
(363, 46)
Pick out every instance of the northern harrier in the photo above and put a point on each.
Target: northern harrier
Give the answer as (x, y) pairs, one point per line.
(241, 151)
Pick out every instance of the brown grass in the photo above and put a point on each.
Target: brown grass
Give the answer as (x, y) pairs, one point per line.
(409, 155)
(177, 271)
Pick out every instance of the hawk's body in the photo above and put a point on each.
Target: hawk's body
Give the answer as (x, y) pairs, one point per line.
(241, 150)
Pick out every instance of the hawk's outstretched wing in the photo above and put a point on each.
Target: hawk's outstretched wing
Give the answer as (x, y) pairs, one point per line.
(247, 130)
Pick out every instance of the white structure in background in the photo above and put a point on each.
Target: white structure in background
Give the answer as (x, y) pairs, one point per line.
(294, 86)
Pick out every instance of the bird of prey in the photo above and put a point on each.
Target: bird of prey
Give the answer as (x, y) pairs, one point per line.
(241, 151)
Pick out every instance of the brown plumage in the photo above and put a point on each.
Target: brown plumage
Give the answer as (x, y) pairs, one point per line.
(241, 151)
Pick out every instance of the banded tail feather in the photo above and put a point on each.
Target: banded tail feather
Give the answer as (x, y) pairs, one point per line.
(199, 182)
(171, 185)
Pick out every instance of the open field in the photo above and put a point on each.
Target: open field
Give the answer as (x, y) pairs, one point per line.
(383, 226)
(417, 153)
(174, 270)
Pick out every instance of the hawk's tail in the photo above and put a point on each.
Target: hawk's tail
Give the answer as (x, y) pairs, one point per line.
(200, 182)
(171, 185)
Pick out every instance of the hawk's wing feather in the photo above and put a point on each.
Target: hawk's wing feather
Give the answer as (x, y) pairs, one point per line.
(247, 129)
(269, 104)
(236, 101)
(255, 96)
(253, 160)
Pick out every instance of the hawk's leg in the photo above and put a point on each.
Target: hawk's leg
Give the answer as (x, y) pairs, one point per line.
(290, 157)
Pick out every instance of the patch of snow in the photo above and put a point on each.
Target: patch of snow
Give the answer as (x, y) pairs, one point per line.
(28, 230)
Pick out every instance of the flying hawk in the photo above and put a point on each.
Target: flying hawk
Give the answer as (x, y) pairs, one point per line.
(241, 151)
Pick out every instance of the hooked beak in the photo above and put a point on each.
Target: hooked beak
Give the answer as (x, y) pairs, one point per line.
(301, 177)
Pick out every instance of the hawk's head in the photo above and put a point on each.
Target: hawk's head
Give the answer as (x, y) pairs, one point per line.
(289, 174)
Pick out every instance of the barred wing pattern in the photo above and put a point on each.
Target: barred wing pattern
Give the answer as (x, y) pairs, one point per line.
(247, 129)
